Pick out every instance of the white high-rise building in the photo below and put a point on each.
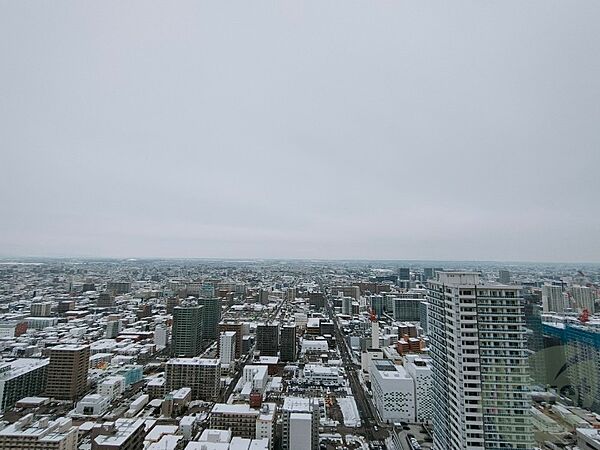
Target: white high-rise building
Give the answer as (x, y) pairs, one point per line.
(300, 423)
(419, 369)
(553, 298)
(227, 347)
(375, 334)
(479, 361)
(583, 298)
(161, 337)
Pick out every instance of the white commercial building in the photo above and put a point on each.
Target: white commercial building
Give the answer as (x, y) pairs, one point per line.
(393, 391)
(328, 375)
(227, 347)
(93, 405)
(111, 387)
(314, 346)
(479, 361)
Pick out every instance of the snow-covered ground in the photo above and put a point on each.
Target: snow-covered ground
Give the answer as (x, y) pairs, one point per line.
(349, 411)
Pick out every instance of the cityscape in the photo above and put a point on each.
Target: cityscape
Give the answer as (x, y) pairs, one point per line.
(298, 354)
(299, 225)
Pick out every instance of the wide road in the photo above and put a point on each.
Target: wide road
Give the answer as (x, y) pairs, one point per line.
(363, 402)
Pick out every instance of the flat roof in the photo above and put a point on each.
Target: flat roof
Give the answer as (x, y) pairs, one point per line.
(194, 361)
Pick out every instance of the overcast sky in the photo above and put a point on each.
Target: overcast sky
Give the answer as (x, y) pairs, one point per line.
(317, 129)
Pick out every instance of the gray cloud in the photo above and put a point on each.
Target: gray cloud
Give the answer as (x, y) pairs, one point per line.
(300, 129)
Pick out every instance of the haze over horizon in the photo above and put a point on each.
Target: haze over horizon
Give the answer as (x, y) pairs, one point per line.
(355, 130)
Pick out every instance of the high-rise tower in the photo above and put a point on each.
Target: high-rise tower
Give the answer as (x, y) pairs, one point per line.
(479, 362)
(187, 331)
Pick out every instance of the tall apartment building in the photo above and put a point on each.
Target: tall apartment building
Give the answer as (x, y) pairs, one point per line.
(201, 375)
(238, 328)
(427, 273)
(21, 378)
(423, 312)
(113, 328)
(553, 298)
(479, 360)
(68, 371)
(211, 316)
(263, 296)
(186, 336)
(171, 303)
(300, 423)
(267, 338)
(124, 434)
(288, 347)
(41, 309)
(44, 434)
(583, 298)
(290, 294)
(227, 347)
(347, 305)
(504, 276)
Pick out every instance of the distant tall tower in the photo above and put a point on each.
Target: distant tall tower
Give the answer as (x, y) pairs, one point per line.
(227, 347)
(404, 274)
(288, 343)
(187, 331)
(479, 361)
(211, 316)
(504, 276)
(374, 330)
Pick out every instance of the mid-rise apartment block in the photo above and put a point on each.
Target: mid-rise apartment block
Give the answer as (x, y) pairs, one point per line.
(201, 375)
(21, 378)
(68, 371)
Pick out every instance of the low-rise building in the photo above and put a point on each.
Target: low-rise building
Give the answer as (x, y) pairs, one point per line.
(43, 434)
(124, 434)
